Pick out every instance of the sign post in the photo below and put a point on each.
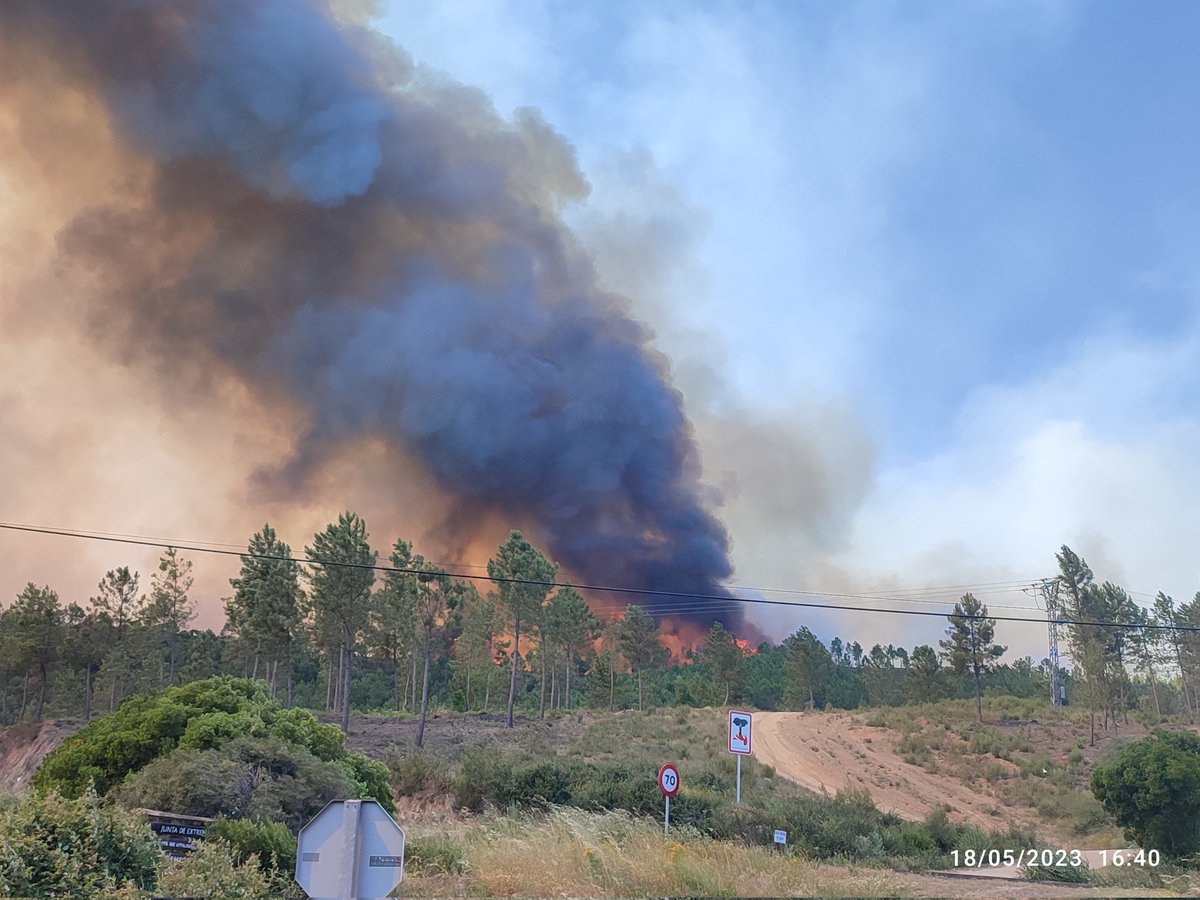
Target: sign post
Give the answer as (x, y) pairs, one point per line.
(351, 850)
(668, 783)
(178, 835)
(740, 744)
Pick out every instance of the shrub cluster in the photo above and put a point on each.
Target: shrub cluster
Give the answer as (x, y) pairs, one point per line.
(847, 825)
(1152, 788)
(229, 736)
(62, 847)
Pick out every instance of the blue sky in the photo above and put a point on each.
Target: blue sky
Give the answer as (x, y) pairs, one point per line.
(940, 256)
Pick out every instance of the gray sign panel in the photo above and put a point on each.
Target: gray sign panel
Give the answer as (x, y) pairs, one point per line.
(351, 850)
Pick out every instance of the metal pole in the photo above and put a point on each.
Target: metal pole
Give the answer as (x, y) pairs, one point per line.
(667, 817)
(347, 888)
(739, 778)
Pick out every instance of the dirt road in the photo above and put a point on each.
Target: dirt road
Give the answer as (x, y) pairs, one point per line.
(830, 751)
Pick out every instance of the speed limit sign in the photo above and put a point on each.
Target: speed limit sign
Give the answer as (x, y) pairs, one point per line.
(668, 780)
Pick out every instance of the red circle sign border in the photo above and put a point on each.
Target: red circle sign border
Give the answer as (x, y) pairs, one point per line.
(661, 787)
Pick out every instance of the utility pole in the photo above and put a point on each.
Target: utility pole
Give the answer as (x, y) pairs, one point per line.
(1049, 591)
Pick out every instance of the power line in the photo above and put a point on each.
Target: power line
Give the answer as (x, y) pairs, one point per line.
(704, 602)
(228, 549)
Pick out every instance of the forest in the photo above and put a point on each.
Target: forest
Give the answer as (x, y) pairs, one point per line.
(336, 630)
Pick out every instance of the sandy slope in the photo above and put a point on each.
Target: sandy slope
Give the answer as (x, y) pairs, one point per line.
(830, 751)
(23, 746)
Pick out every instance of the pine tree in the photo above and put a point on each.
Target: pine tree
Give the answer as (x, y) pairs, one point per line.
(341, 577)
(724, 657)
(393, 625)
(35, 636)
(576, 628)
(969, 647)
(265, 609)
(637, 635)
(475, 648)
(170, 610)
(119, 602)
(524, 577)
(923, 677)
(1094, 646)
(435, 607)
(806, 667)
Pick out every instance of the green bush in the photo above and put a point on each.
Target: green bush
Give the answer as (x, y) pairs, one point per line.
(370, 779)
(231, 717)
(600, 788)
(144, 728)
(482, 773)
(258, 778)
(847, 825)
(299, 726)
(1152, 789)
(57, 847)
(434, 855)
(413, 770)
(213, 871)
(1068, 874)
(271, 842)
(537, 785)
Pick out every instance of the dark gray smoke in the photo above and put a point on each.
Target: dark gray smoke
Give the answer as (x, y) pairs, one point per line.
(382, 247)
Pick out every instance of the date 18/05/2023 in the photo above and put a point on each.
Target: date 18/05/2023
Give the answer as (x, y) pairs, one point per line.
(1029, 856)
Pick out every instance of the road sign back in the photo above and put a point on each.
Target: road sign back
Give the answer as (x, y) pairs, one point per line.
(740, 724)
(352, 849)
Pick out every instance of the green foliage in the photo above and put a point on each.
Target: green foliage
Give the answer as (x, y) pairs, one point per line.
(412, 771)
(190, 782)
(1064, 874)
(480, 777)
(341, 578)
(847, 825)
(299, 726)
(259, 778)
(434, 855)
(264, 610)
(273, 843)
(1152, 789)
(523, 577)
(806, 669)
(55, 847)
(214, 871)
(969, 644)
(144, 728)
(32, 636)
(370, 778)
(223, 746)
(219, 728)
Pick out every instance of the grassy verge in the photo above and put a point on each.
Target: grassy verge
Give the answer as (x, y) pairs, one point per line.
(613, 768)
(573, 853)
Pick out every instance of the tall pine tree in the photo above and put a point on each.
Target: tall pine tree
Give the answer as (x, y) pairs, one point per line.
(969, 646)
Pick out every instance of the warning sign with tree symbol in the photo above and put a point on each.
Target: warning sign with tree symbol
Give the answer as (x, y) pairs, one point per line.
(739, 731)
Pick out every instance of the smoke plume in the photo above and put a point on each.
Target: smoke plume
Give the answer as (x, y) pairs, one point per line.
(318, 220)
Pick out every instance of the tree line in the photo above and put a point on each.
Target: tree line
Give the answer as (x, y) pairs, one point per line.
(337, 631)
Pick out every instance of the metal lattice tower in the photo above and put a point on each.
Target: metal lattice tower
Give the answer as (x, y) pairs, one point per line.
(1049, 590)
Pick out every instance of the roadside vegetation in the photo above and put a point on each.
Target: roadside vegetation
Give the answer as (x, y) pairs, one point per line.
(227, 726)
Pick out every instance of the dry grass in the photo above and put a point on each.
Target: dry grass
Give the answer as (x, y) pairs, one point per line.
(570, 853)
(1023, 755)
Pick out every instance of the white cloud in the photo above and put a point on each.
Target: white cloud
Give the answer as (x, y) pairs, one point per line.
(1096, 455)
